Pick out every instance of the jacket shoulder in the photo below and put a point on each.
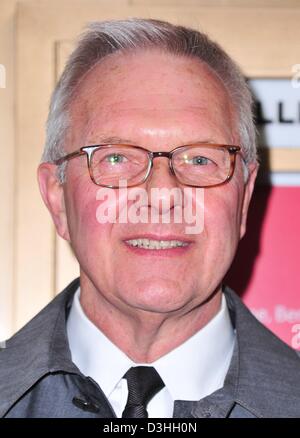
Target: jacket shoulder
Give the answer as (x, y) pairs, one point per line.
(28, 355)
(269, 370)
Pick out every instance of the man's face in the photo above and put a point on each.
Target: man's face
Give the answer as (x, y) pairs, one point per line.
(157, 101)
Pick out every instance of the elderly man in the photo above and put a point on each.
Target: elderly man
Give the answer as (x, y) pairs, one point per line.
(148, 108)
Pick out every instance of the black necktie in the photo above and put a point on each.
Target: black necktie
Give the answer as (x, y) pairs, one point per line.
(143, 384)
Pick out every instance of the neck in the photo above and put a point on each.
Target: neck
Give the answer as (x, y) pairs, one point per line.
(146, 336)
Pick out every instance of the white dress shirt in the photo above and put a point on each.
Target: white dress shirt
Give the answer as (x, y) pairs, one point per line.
(191, 371)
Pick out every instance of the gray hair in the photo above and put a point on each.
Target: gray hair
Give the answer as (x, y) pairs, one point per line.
(107, 37)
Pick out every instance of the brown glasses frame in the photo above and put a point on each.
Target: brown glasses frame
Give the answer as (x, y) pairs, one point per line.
(90, 150)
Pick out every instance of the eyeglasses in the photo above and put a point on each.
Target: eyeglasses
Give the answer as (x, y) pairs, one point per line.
(196, 165)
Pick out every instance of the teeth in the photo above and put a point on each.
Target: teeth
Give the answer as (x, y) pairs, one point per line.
(156, 244)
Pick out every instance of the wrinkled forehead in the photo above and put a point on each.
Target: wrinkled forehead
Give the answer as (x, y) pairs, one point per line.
(149, 82)
(149, 71)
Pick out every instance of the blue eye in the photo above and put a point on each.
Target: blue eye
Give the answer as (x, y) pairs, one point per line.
(115, 158)
(199, 160)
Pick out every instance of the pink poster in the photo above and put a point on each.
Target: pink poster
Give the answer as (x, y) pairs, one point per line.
(266, 271)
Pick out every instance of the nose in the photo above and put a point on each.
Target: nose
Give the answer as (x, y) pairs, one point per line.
(164, 191)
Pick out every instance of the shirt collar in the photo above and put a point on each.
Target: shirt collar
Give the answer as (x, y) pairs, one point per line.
(191, 371)
(199, 366)
(93, 353)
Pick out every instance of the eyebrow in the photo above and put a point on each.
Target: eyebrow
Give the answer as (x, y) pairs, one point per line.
(113, 140)
(205, 141)
(118, 140)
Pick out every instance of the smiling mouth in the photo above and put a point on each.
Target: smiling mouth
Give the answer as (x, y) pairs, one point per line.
(156, 244)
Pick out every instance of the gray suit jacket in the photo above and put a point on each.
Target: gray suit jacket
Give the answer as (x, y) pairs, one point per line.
(38, 378)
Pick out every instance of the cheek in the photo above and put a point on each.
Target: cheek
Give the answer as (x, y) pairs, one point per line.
(85, 229)
(222, 219)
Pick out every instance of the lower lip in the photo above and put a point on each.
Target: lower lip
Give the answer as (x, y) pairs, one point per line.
(170, 252)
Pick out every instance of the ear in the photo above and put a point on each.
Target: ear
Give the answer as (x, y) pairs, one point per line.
(53, 195)
(249, 186)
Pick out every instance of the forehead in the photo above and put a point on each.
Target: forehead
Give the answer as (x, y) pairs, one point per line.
(149, 86)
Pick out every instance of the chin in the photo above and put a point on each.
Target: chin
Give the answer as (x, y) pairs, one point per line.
(156, 296)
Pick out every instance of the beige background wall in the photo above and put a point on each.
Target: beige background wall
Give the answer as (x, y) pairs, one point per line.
(7, 188)
(35, 37)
